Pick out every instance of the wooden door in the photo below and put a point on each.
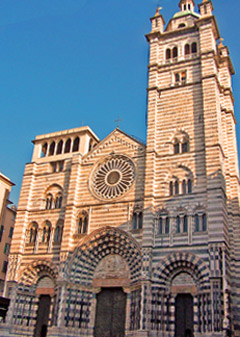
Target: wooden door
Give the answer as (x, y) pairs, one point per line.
(110, 313)
(42, 316)
(184, 315)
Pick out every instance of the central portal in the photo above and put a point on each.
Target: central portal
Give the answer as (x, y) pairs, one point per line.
(184, 315)
(110, 313)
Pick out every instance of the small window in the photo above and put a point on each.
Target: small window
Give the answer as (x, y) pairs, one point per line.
(177, 78)
(189, 7)
(49, 201)
(61, 165)
(58, 234)
(182, 25)
(187, 49)
(60, 147)
(185, 224)
(1, 232)
(184, 187)
(178, 222)
(176, 148)
(7, 248)
(189, 186)
(5, 265)
(171, 188)
(76, 144)
(137, 220)
(46, 233)
(185, 147)
(176, 187)
(83, 224)
(167, 225)
(194, 47)
(44, 150)
(183, 76)
(11, 232)
(175, 52)
(168, 54)
(204, 222)
(185, 7)
(51, 149)
(160, 225)
(67, 146)
(197, 228)
(54, 167)
(200, 222)
(33, 234)
(58, 201)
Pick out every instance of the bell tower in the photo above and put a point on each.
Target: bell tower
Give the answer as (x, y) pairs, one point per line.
(192, 184)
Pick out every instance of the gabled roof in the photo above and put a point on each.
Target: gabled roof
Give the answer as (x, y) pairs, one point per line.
(117, 130)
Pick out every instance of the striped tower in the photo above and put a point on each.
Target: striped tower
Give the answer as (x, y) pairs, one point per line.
(115, 238)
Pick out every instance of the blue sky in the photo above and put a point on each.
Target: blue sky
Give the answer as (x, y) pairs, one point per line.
(68, 63)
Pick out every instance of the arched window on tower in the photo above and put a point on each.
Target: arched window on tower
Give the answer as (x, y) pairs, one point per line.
(176, 187)
(176, 147)
(187, 49)
(58, 201)
(171, 188)
(51, 149)
(33, 233)
(182, 25)
(137, 220)
(44, 150)
(59, 147)
(46, 233)
(76, 144)
(168, 54)
(184, 187)
(194, 47)
(200, 221)
(49, 201)
(185, 146)
(204, 222)
(189, 186)
(197, 227)
(178, 223)
(82, 223)
(185, 224)
(163, 224)
(67, 146)
(58, 232)
(175, 52)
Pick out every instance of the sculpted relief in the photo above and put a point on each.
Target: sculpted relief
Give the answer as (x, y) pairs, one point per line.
(112, 268)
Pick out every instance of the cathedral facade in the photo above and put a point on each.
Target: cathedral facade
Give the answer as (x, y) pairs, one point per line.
(117, 238)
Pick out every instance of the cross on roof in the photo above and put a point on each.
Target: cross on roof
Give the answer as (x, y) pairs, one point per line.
(118, 120)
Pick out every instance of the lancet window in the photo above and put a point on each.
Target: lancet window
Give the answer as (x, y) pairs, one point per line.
(200, 220)
(137, 220)
(171, 53)
(46, 232)
(58, 232)
(182, 223)
(82, 223)
(163, 224)
(33, 233)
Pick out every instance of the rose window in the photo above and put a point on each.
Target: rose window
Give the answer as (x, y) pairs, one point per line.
(113, 178)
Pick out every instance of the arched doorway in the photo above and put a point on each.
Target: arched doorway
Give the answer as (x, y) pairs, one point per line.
(45, 289)
(184, 315)
(110, 313)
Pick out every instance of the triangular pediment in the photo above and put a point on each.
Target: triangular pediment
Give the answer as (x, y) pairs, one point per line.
(116, 142)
